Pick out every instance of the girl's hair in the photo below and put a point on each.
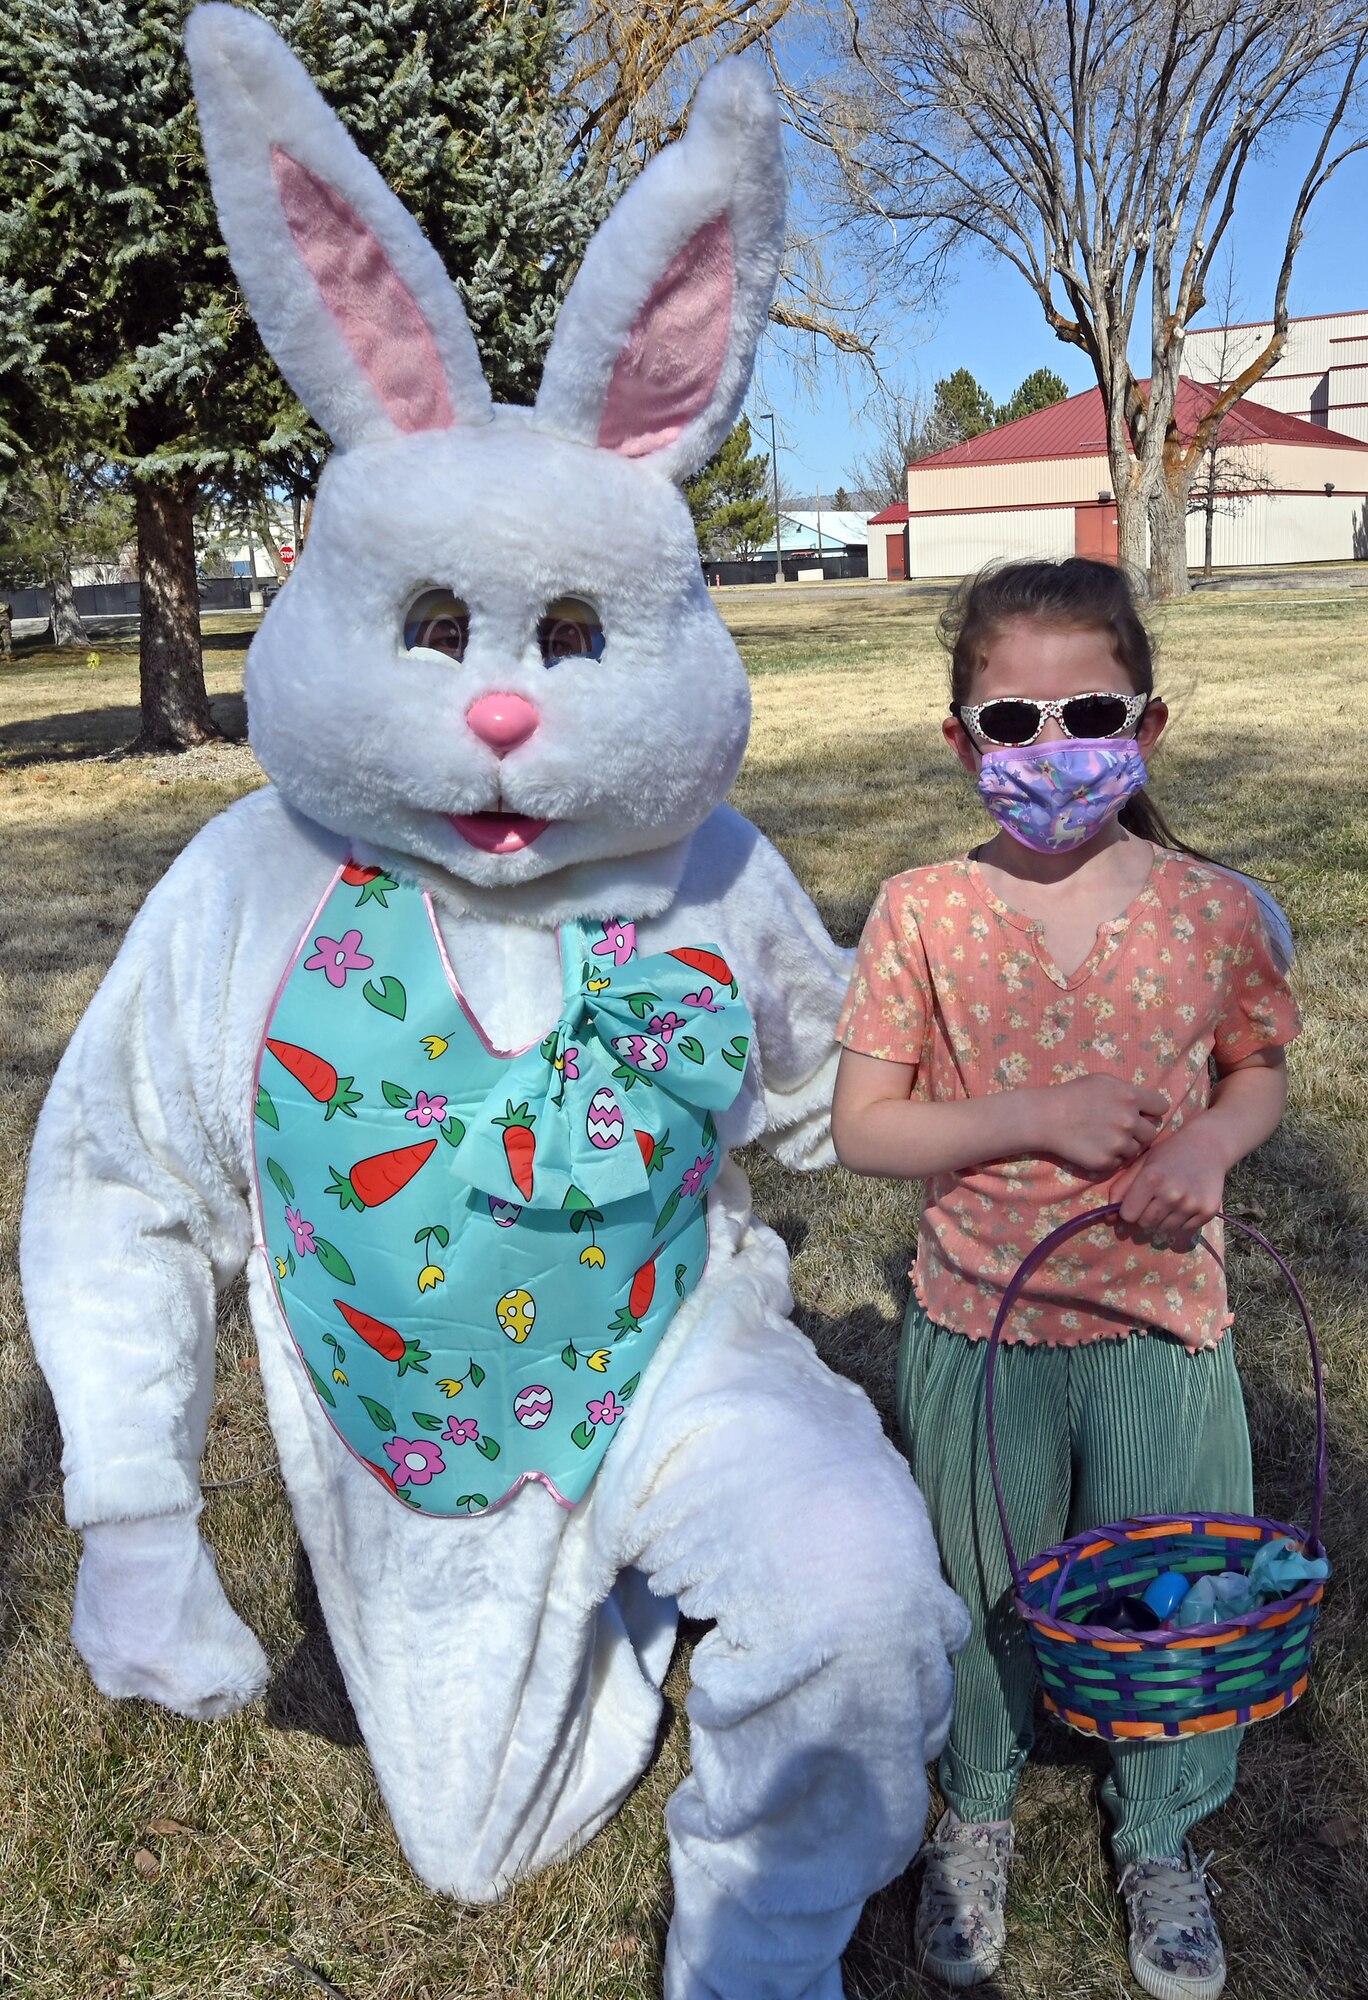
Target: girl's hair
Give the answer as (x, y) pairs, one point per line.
(1076, 592)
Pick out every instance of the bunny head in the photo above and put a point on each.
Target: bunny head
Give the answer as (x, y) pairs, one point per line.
(497, 653)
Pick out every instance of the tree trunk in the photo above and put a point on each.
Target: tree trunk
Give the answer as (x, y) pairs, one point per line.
(1168, 541)
(175, 705)
(1132, 542)
(66, 627)
(1210, 511)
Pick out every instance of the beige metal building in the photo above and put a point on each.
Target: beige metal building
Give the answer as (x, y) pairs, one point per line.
(1291, 491)
(1322, 375)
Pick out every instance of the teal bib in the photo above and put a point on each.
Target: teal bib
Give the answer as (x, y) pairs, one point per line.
(477, 1252)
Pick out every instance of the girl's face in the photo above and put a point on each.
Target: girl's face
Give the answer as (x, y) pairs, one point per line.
(1048, 663)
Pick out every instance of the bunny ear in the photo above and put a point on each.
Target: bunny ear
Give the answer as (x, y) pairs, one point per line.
(655, 344)
(350, 297)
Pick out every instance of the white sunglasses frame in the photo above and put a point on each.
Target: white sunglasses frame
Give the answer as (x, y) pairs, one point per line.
(969, 712)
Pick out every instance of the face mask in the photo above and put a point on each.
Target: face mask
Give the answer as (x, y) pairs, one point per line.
(1054, 796)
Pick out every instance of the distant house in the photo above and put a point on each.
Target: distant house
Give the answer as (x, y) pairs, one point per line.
(1042, 487)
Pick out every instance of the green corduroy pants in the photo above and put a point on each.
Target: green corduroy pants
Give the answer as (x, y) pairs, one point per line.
(1085, 1435)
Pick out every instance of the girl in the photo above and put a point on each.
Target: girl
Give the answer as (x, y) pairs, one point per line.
(1029, 1032)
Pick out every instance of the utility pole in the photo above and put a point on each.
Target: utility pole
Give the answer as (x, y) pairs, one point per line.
(768, 418)
(817, 502)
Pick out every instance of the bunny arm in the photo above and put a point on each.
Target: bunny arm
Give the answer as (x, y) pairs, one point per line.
(137, 1208)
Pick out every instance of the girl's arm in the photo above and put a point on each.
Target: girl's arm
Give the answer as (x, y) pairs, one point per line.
(1180, 1184)
(1098, 1123)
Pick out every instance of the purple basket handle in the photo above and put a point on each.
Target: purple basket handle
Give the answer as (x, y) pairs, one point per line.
(1027, 1269)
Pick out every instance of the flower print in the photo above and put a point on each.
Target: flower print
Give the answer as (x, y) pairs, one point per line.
(618, 943)
(599, 1359)
(703, 998)
(302, 1232)
(426, 1110)
(1012, 1070)
(593, 1256)
(461, 1430)
(567, 1062)
(416, 1462)
(606, 1412)
(450, 1388)
(436, 1045)
(430, 1277)
(695, 1175)
(336, 957)
(338, 1376)
(664, 1025)
(282, 1268)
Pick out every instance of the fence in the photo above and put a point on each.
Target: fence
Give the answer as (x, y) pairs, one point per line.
(114, 600)
(854, 562)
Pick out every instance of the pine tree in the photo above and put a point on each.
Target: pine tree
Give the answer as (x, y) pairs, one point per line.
(963, 408)
(124, 332)
(727, 498)
(841, 500)
(1041, 389)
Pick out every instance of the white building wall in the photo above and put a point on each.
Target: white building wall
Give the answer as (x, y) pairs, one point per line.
(878, 552)
(955, 544)
(1024, 483)
(1319, 376)
(1277, 528)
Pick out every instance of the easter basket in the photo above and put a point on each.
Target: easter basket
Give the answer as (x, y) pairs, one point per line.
(1172, 1681)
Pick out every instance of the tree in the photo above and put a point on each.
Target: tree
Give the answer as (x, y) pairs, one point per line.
(1039, 391)
(841, 500)
(129, 334)
(903, 429)
(732, 515)
(1101, 148)
(54, 519)
(963, 408)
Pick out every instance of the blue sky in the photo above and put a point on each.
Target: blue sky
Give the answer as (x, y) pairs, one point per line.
(990, 322)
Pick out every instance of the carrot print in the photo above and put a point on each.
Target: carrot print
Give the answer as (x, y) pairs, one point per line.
(376, 1179)
(709, 963)
(628, 1318)
(373, 883)
(654, 1152)
(387, 1341)
(318, 1077)
(520, 1148)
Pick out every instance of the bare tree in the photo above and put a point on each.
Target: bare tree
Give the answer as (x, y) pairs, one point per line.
(1231, 470)
(629, 73)
(1101, 148)
(904, 429)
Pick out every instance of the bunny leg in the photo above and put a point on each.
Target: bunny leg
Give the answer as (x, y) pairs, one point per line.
(778, 1510)
(508, 1697)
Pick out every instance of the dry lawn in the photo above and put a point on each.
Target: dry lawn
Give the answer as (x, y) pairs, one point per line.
(142, 1856)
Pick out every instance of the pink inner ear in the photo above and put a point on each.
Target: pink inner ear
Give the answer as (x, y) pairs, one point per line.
(668, 370)
(377, 314)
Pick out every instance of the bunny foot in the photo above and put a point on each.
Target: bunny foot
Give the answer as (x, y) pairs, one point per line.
(151, 1619)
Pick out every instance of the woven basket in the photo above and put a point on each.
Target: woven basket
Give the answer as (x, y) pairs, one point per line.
(1169, 1682)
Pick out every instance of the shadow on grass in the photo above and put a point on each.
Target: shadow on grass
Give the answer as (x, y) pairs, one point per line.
(94, 732)
(30, 1482)
(308, 1692)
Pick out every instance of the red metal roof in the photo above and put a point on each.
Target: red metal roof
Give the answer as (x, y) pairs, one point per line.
(1076, 428)
(895, 513)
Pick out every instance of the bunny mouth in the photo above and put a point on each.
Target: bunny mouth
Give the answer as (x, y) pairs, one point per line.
(498, 832)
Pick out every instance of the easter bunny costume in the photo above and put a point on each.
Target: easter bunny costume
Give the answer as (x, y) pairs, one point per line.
(504, 1669)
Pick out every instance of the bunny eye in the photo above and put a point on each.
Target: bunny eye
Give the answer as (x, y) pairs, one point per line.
(439, 622)
(570, 629)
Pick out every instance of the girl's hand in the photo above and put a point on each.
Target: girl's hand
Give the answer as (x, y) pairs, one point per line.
(1099, 1123)
(1177, 1188)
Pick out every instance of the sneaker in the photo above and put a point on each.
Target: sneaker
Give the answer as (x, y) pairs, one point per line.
(961, 1924)
(1175, 1947)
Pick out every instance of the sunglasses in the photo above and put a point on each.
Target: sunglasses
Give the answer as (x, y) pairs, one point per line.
(1017, 719)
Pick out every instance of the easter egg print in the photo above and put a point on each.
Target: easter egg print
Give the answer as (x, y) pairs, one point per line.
(604, 1123)
(516, 1313)
(641, 1051)
(505, 1213)
(532, 1406)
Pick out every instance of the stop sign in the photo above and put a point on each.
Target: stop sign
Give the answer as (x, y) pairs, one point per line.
(287, 554)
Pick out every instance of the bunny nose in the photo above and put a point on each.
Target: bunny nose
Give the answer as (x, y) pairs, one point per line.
(503, 721)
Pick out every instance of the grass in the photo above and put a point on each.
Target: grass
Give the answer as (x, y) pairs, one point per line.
(142, 1856)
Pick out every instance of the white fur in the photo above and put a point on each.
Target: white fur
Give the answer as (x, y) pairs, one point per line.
(748, 1481)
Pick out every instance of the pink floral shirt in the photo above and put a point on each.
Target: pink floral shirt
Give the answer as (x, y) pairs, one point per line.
(950, 979)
